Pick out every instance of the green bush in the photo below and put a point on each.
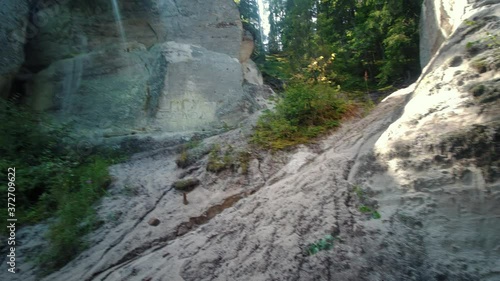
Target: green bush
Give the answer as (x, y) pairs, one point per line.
(217, 162)
(54, 178)
(74, 212)
(185, 158)
(244, 158)
(186, 184)
(304, 112)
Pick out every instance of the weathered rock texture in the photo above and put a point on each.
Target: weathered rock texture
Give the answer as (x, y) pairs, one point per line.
(69, 27)
(439, 19)
(426, 160)
(175, 68)
(14, 15)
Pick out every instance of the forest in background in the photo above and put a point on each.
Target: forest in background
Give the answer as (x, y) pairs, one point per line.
(372, 41)
(326, 57)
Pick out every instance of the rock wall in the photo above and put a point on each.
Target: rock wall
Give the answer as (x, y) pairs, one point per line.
(439, 19)
(68, 28)
(140, 67)
(14, 15)
(409, 192)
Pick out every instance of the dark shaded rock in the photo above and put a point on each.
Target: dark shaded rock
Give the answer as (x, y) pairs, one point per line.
(154, 222)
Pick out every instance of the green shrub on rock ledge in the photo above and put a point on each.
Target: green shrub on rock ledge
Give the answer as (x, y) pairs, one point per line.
(186, 184)
(305, 112)
(217, 162)
(57, 175)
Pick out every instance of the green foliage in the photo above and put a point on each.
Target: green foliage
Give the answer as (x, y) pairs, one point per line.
(75, 215)
(217, 162)
(276, 70)
(374, 40)
(186, 184)
(492, 40)
(244, 158)
(359, 192)
(471, 44)
(185, 158)
(323, 244)
(250, 17)
(363, 198)
(304, 112)
(367, 210)
(192, 144)
(376, 215)
(226, 158)
(478, 90)
(480, 65)
(54, 177)
(298, 35)
(470, 22)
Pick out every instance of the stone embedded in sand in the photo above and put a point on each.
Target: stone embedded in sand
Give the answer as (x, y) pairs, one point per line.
(154, 222)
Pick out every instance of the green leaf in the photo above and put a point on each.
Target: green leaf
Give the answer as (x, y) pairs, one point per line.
(365, 209)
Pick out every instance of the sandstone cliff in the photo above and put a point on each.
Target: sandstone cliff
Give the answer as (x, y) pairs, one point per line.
(115, 69)
(409, 192)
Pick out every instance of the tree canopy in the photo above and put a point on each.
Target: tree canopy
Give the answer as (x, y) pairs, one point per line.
(250, 17)
(371, 39)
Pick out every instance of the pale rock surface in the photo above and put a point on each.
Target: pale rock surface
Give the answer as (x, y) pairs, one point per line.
(176, 68)
(251, 73)
(70, 27)
(247, 46)
(426, 159)
(202, 89)
(173, 87)
(440, 18)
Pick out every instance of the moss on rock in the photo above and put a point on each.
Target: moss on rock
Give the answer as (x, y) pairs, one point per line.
(186, 184)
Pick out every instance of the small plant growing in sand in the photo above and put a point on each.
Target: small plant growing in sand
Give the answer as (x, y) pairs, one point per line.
(366, 208)
(182, 160)
(323, 244)
(130, 190)
(185, 158)
(359, 192)
(217, 162)
(244, 161)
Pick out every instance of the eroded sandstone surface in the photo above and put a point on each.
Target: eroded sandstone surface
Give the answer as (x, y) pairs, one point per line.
(409, 192)
(119, 69)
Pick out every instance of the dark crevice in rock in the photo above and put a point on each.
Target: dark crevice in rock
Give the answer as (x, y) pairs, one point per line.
(180, 230)
(347, 171)
(209, 214)
(154, 31)
(120, 239)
